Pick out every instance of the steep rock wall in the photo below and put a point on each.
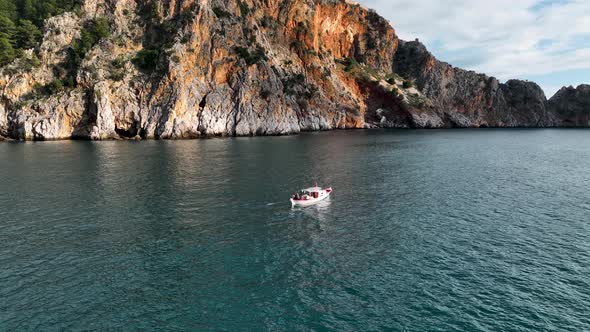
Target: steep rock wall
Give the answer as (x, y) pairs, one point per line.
(572, 106)
(250, 67)
(468, 99)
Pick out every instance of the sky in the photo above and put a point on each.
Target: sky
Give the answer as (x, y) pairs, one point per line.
(545, 41)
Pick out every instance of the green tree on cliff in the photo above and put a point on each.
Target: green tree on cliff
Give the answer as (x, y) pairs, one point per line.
(21, 22)
(7, 53)
(27, 35)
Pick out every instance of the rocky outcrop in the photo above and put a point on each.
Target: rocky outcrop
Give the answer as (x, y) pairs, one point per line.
(193, 68)
(223, 68)
(572, 106)
(468, 99)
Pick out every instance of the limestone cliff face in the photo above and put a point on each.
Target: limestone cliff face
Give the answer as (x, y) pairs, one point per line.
(468, 99)
(224, 68)
(249, 67)
(572, 106)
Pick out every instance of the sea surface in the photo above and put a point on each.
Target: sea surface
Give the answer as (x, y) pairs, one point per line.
(441, 230)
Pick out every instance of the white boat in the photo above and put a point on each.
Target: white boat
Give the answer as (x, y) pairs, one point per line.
(310, 196)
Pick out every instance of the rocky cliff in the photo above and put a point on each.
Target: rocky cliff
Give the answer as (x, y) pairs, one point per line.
(572, 106)
(468, 99)
(192, 68)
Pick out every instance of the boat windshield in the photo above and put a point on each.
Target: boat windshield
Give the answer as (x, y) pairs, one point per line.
(301, 193)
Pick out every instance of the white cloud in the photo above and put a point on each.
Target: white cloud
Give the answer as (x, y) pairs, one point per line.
(503, 38)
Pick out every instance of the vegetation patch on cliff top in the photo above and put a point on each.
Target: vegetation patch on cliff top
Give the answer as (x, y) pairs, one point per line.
(162, 30)
(244, 9)
(221, 13)
(360, 71)
(296, 85)
(393, 78)
(251, 58)
(147, 59)
(417, 100)
(21, 22)
(92, 32)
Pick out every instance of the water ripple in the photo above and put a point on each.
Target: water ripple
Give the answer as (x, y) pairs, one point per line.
(427, 231)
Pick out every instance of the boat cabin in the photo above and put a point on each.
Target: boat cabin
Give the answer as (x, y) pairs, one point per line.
(307, 193)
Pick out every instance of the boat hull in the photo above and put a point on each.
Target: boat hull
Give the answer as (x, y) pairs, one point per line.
(309, 202)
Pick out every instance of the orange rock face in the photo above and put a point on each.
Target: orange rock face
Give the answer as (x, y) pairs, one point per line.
(248, 67)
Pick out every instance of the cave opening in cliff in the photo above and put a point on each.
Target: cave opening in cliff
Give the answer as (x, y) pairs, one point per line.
(131, 132)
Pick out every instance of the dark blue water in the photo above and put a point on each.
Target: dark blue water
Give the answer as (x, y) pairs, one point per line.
(467, 230)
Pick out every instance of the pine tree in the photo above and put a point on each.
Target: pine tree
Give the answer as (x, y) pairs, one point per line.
(7, 52)
(28, 35)
(21, 22)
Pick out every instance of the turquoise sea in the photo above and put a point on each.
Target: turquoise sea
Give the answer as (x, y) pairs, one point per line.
(442, 230)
